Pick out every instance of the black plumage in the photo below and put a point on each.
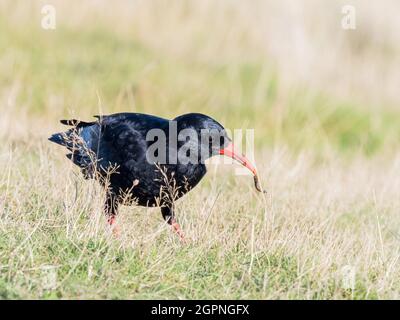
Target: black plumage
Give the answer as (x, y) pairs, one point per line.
(114, 149)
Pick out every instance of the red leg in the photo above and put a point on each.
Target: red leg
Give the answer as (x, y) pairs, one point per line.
(168, 215)
(111, 210)
(112, 221)
(177, 228)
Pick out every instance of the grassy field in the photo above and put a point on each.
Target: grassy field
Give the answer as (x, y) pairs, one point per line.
(324, 106)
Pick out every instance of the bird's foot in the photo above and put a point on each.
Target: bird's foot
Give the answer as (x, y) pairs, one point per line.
(177, 229)
(116, 231)
(112, 221)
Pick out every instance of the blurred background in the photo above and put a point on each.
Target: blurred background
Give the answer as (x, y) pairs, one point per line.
(285, 68)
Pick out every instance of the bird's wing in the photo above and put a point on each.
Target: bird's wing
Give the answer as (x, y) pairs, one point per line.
(122, 143)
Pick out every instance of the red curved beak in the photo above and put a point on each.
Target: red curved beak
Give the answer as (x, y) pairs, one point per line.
(230, 152)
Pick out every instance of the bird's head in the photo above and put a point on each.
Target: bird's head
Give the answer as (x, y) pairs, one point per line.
(211, 139)
(205, 132)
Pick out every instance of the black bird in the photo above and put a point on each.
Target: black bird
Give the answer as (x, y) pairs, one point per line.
(115, 150)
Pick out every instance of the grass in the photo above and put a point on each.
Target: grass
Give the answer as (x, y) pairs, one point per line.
(329, 161)
(316, 221)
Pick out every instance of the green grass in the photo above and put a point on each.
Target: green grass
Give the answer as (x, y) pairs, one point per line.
(86, 268)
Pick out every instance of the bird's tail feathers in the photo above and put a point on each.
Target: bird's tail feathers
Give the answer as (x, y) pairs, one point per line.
(59, 138)
(65, 139)
(76, 123)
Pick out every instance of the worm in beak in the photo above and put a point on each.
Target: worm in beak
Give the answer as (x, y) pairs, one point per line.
(230, 152)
